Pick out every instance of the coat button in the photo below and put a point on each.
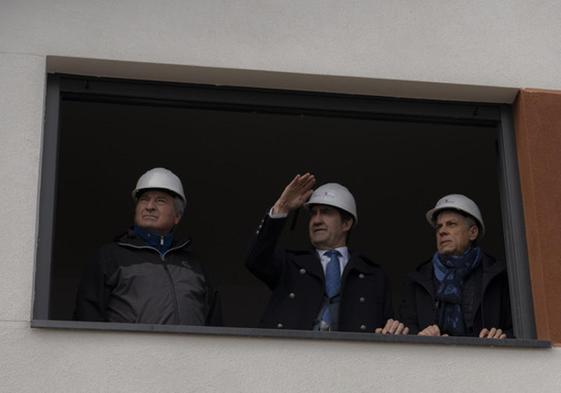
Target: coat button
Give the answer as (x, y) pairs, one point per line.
(302, 271)
(362, 327)
(280, 325)
(361, 299)
(361, 275)
(292, 295)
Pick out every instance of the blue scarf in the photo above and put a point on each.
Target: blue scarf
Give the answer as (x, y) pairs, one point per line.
(162, 243)
(450, 272)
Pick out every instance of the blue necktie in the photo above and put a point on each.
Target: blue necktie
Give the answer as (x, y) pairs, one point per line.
(332, 274)
(332, 281)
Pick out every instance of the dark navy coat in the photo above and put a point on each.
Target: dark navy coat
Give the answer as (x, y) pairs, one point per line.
(485, 303)
(297, 282)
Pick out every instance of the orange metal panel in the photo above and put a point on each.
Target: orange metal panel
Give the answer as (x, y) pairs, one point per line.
(538, 139)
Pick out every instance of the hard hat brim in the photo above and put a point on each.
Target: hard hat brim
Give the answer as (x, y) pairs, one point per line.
(432, 213)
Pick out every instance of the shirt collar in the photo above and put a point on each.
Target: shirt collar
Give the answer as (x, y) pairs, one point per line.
(344, 251)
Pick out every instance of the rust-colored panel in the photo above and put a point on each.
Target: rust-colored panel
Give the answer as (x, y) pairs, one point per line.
(538, 139)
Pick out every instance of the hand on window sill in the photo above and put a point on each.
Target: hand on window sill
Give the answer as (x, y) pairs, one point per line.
(432, 331)
(493, 333)
(393, 327)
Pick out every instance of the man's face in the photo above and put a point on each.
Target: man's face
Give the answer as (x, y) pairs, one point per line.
(326, 228)
(155, 211)
(453, 233)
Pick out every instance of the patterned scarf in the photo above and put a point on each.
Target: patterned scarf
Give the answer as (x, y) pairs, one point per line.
(450, 272)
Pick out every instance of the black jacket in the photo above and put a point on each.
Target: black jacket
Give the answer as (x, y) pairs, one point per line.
(486, 301)
(129, 281)
(297, 281)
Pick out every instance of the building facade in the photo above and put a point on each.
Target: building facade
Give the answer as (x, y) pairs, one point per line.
(495, 53)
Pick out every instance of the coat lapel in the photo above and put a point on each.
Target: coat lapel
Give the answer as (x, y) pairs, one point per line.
(311, 263)
(358, 263)
(490, 271)
(424, 278)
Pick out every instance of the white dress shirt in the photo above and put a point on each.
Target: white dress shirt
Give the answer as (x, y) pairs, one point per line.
(343, 258)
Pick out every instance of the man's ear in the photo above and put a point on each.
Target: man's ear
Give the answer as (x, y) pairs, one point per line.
(177, 219)
(347, 225)
(473, 232)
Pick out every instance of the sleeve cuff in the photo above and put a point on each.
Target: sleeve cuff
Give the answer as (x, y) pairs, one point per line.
(276, 215)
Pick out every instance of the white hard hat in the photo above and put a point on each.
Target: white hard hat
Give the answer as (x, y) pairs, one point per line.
(334, 194)
(456, 202)
(159, 178)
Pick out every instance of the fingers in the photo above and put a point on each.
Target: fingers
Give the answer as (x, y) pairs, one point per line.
(300, 186)
(295, 193)
(393, 327)
(302, 182)
(432, 330)
(401, 329)
(308, 194)
(493, 333)
(499, 334)
(388, 327)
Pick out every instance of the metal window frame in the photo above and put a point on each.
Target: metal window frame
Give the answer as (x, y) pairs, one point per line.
(60, 87)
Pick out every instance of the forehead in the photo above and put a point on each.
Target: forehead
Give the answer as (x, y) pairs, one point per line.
(448, 215)
(155, 194)
(323, 208)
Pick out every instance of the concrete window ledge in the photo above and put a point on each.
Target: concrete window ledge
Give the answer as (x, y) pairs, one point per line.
(291, 334)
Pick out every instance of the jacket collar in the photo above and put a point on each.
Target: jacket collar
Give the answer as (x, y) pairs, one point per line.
(491, 269)
(424, 276)
(131, 239)
(310, 261)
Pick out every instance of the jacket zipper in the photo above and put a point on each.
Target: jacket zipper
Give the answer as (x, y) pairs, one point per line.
(164, 264)
(170, 278)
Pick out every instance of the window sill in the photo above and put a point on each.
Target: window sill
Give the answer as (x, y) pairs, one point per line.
(298, 334)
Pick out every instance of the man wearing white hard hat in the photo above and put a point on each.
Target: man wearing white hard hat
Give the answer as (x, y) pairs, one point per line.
(147, 275)
(461, 291)
(327, 287)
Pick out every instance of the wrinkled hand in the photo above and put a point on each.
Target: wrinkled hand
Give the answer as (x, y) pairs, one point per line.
(295, 194)
(393, 326)
(431, 330)
(493, 333)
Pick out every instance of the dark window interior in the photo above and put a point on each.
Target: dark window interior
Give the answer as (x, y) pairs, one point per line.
(234, 162)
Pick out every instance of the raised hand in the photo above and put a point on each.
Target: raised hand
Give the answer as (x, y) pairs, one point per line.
(295, 194)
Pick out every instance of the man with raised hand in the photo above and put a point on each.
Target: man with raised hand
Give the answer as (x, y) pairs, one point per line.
(326, 287)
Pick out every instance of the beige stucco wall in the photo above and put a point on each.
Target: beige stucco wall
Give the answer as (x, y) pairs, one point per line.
(35, 360)
(435, 49)
(477, 43)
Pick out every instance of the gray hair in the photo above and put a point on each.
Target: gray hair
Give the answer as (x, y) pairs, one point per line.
(470, 221)
(179, 206)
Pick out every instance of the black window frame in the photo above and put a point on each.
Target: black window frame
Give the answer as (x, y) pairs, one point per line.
(61, 86)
